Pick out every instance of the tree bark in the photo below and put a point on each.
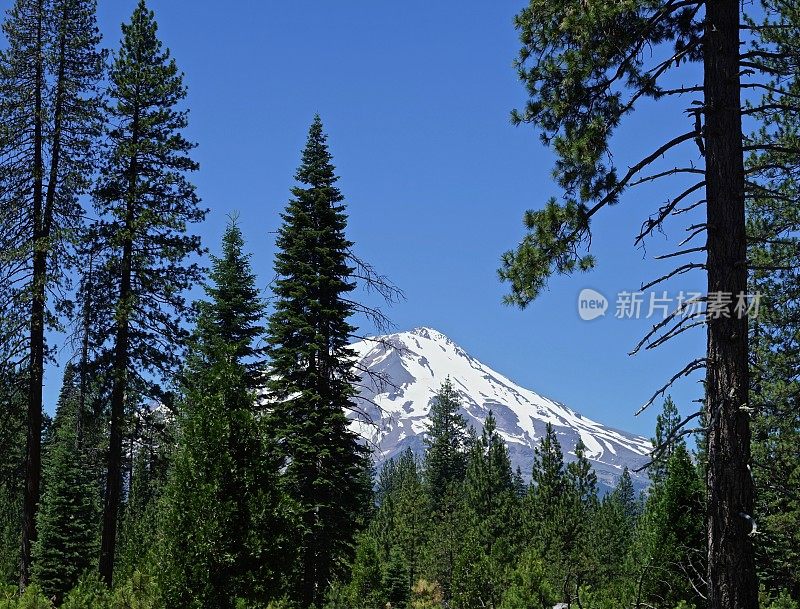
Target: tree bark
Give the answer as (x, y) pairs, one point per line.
(732, 577)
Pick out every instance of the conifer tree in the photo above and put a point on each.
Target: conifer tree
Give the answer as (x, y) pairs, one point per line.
(225, 530)
(13, 406)
(50, 117)
(145, 203)
(586, 69)
(312, 380)
(665, 442)
(580, 508)
(447, 443)
(671, 534)
(612, 531)
(546, 494)
(774, 249)
(234, 310)
(491, 505)
(67, 543)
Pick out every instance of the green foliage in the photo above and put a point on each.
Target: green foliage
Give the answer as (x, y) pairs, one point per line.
(426, 595)
(366, 584)
(664, 442)
(12, 449)
(67, 522)
(671, 540)
(325, 470)
(528, 587)
(783, 601)
(576, 62)
(90, 593)
(446, 448)
(225, 532)
(234, 311)
(139, 591)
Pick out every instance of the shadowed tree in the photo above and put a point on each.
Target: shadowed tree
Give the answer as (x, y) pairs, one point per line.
(145, 203)
(325, 469)
(50, 117)
(586, 68)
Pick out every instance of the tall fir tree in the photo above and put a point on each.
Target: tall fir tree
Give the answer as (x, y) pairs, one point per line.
(446, 446)
(312, 379)
(145, 203)
(665, 440)
(234, 310)
(67, 543)
(225, 531)
(50, 117)
(447, 443)
(492, 517)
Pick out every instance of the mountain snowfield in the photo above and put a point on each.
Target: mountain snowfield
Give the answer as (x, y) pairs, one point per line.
(394, 414)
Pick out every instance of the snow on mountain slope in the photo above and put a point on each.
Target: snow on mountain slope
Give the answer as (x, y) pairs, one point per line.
(417, 362)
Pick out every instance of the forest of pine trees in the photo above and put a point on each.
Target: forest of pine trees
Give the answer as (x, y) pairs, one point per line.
(200, 453)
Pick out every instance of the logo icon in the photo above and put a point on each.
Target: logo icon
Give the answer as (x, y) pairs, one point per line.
(591, 304)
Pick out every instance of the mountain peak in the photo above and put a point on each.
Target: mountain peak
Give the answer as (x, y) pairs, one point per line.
(401, 372)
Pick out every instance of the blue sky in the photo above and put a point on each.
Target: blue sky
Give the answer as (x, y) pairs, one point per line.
(416, 98)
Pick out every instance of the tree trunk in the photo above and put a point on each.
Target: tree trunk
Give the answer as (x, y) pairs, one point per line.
(113, 492)
(33, 450)
(732, 578)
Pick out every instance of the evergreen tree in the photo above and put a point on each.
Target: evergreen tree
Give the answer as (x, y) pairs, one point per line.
(774, 249)
(13, 404)
(580, 508)
(225, 529)
(671, 536)
(664, 442)
(491, 505)
(446, 441)
(612, 533)
(546, 496)
(67, 541)
(145, 202)
(312, 380)
(234, 308)
(586, 69)
(50, 117)
(447, 444)
(529, 588)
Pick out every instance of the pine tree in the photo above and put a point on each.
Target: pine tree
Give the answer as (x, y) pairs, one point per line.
(50, 117)
(447, 444)
(665, 442)
(529, 588)
(491, 503)
(546, 494)
(225, 530)
(234, 308)
(774, 249)
(671, 536)
(612, 531)
(312, 381)
(586, 69)
(145, 202)
(580, 509)
(67, 541)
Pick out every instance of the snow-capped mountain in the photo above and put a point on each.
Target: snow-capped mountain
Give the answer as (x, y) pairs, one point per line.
(401, 372)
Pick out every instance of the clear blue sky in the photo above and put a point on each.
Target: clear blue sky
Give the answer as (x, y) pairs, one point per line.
(416, 97)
